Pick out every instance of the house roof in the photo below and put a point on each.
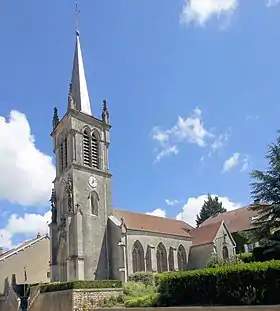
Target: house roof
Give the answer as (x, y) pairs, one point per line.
(236, 220)
(22, 247)
(155, 224)
(205, 234)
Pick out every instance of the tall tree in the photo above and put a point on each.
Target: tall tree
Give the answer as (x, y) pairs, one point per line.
(211, 207)
(266, 188)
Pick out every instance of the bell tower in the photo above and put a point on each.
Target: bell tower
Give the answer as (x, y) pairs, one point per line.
(81, 199)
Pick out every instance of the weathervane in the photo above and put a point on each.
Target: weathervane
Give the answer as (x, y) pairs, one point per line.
(77, 19)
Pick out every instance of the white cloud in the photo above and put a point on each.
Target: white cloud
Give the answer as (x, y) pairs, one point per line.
(158, 212)
(201, 11)
(5, 239)
(194, 204)
(245, 164)
(271, 3)
(236, 160)
(172, 202)
(26, 225)
(26, 174)
(190, 130)
(166, 152)
(251, 117)
(220, 142)
(231, 162)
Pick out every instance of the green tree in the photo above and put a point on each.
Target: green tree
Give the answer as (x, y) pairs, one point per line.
(266, 188)
(211, 208)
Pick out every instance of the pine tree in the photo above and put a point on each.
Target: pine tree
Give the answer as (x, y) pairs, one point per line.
(210, 208)
(266, 189)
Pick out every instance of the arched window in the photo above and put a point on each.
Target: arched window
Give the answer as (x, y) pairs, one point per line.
(182, 258)
(86, 148)
(138, 263)
(149, 259)
(161, 258)
(94, 202)
(95, 151)
(171, 259)
(225, 252)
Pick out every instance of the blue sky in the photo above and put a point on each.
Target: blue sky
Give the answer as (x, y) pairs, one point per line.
(192, 88)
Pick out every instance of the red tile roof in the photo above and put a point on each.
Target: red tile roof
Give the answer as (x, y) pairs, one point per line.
(155, 224)
(236, 220)
(205, 234)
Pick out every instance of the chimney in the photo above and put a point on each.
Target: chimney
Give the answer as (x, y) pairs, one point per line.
(38, 235)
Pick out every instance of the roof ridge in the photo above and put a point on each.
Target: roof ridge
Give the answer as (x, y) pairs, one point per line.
(152, 223)
(164, 218)
(22, 246)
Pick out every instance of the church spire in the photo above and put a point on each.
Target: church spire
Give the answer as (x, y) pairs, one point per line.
(78, 98)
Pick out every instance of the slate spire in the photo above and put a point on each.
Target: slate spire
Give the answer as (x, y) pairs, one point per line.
(78, 98)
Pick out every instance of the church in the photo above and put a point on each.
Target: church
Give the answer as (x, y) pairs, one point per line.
(89, 239)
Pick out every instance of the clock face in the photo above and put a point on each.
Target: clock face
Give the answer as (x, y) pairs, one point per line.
(92, 181)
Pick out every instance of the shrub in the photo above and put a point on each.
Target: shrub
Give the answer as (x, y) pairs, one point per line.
(214, 262)
(58, 286)
(252, 283)
(143, 277)
(246, 257)
(137, 289)
(145, 301)
(112, 301)
(266, 253)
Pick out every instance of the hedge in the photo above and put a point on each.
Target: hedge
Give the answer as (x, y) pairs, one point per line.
(58, 286)
(151, 300)
(144, 277)
(246, 257)
(243, 284)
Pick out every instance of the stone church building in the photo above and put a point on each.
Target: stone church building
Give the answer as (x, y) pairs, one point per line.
(89, 238)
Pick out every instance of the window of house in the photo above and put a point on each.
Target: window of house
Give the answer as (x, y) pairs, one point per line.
(182, 258)
(61, 157)
(90, 149)
(86, 148)
(149, 259)
(94, 201)
(138, 263)
(65, 153)
(161, 258)
(95, 151)
(225, 253)
(171, 259)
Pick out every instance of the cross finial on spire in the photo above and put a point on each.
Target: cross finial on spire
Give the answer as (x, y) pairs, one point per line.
(77, 19)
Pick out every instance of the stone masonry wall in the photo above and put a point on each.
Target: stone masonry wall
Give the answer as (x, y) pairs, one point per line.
(92, 299)
(73, 300)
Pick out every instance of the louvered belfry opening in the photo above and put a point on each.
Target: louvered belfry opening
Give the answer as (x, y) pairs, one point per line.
(90, 149)
(61, 156)
(94, 151)
(65, 154)
(86, 146)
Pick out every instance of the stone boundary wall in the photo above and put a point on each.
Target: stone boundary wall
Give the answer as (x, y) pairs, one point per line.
(2, 302)
(73, 299)
(10, 302)
(87, 299)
